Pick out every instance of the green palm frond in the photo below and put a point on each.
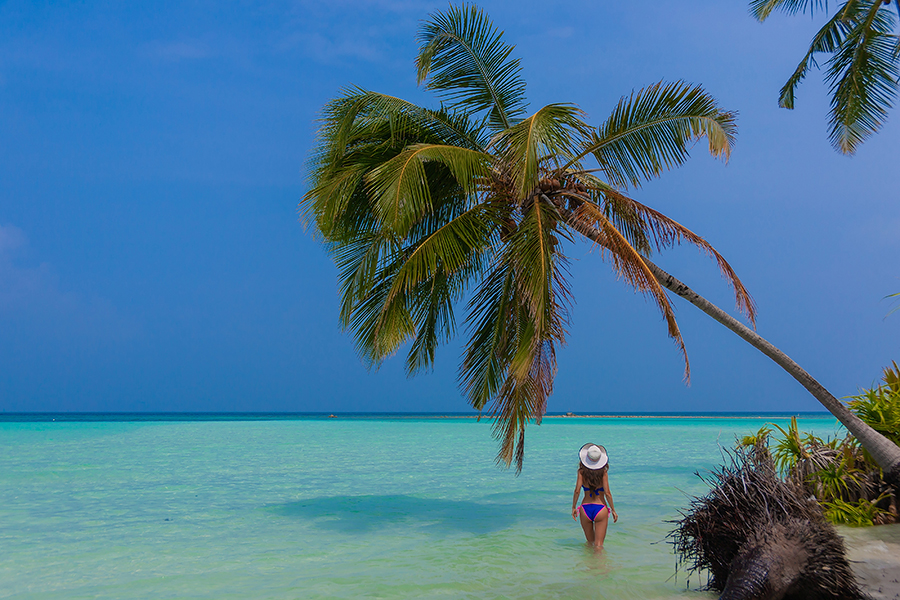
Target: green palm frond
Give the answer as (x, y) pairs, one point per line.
(331, 200)
(497, 322)
(540, 270)
(861, 513)
(517, 403)
(760, 438)
(517, 319)
(520, 317)
(493, 322)
(827, 40)
(837, 479)
(863, 67)
(385, 318)
(652, 130)
(435, 320)
(359, 262)
(553, 131)
(362, 249)
(468, 64)
(863, 77)
(761, 9)
(358, 133)
(400, 190)
(361, 124)
(433, 312)
(358, 105)
(395, 292)
(437, 269)
(380, 326)
(355, 123)
(450, 248)
(879, 406)
(365, 146)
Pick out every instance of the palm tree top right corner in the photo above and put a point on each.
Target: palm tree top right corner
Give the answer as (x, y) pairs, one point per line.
(861, 43)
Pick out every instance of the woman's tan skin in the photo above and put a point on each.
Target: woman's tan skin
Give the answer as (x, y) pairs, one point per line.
(594, 531)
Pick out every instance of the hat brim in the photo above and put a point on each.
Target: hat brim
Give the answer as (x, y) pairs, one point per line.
(593, 464)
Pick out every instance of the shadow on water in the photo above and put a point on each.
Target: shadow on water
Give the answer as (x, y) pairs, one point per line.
(368, 513)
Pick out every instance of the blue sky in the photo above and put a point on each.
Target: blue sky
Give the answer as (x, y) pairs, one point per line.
(152, 158)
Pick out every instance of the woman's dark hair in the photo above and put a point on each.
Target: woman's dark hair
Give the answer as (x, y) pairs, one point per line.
(592, 478)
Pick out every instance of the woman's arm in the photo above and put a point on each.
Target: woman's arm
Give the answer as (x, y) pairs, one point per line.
(609, 500)
(576, 495)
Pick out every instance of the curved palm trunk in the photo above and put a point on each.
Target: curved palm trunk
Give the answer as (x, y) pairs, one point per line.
(885, 452)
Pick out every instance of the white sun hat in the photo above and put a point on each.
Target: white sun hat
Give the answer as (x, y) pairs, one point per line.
(593, 456)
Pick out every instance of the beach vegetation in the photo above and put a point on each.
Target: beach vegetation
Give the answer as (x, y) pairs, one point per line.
(789, 449)
(863, 63)
(840, 473)
(476, 203)
(862, 513)
(760, 438)
(755, 535)
(879, 406)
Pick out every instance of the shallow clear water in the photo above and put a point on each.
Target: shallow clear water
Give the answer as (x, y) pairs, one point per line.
(343, 508)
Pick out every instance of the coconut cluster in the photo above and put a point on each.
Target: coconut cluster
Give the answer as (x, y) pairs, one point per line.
(551, 185)
(562, 192)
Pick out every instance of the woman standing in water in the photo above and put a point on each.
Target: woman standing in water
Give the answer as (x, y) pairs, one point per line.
(593, 479)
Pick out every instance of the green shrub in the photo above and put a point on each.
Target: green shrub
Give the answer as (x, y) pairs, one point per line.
(861, 513)
(879, 407)
(839, 473)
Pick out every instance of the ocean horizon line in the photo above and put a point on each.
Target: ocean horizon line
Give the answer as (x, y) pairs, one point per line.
(150, 416)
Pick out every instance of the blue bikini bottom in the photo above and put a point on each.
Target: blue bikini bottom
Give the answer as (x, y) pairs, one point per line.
(592, 510)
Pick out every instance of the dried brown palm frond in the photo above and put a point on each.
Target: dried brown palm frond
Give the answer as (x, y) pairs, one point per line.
(668, 232)
(759, 537)
(629, 265)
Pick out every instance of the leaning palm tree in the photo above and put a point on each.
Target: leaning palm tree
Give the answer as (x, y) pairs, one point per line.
(862, 68)
(475, 200)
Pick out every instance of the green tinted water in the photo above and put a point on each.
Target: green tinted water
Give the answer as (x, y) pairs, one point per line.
(379, 508)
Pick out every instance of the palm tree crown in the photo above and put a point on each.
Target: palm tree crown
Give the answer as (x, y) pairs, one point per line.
(474, 202)
(862, 69)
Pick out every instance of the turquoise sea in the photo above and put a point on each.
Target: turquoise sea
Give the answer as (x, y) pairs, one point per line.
(350, 507)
